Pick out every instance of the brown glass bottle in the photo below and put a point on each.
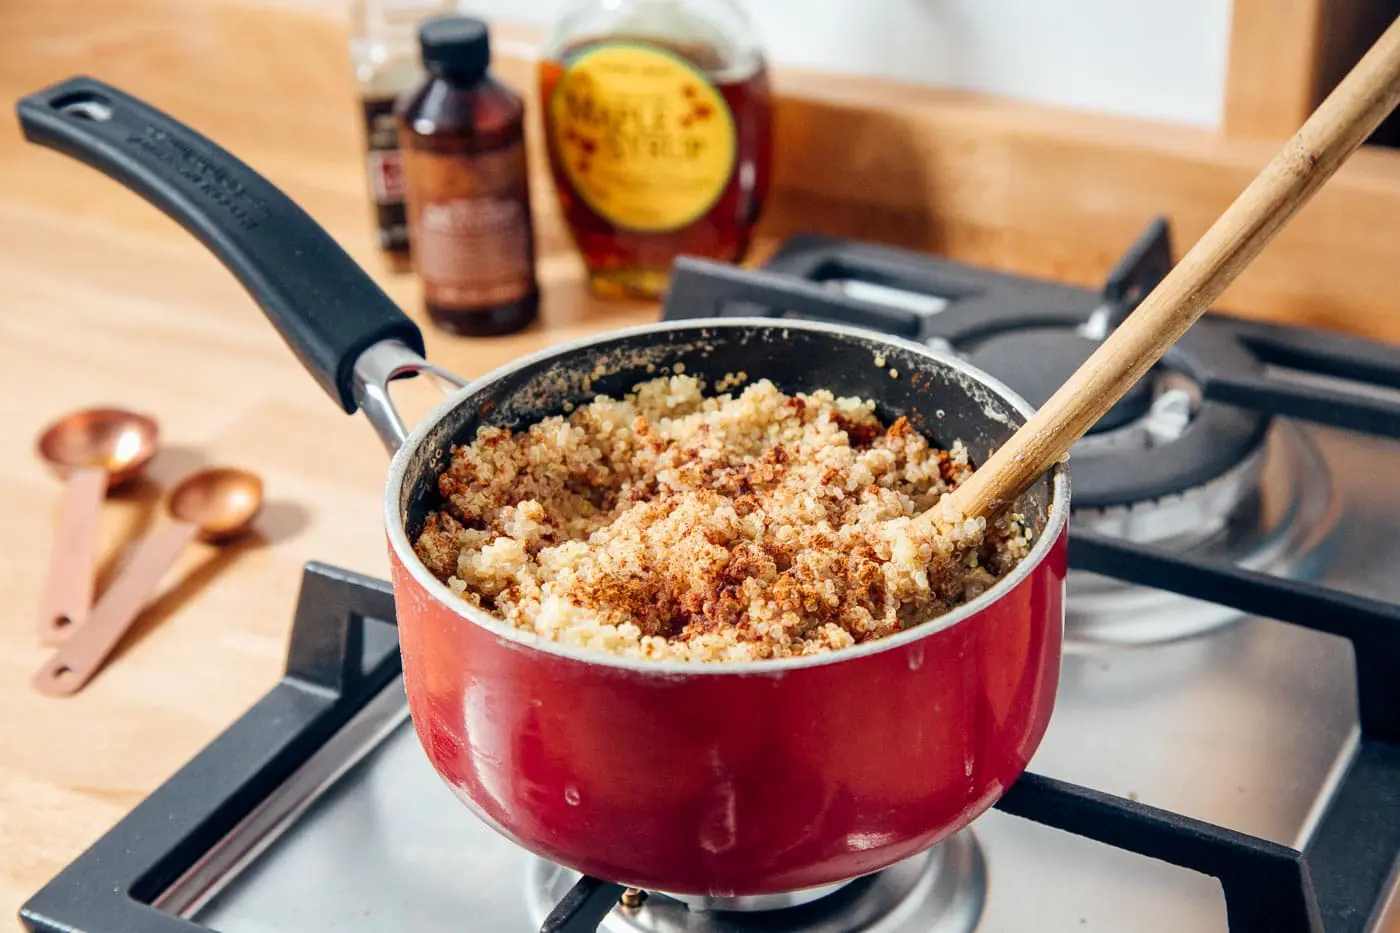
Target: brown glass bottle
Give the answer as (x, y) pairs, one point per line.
(466, 187)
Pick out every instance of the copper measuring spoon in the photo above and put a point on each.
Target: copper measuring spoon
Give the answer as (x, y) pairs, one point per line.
(214, 505)
(92, 451)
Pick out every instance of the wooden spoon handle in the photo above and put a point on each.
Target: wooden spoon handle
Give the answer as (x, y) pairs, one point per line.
(73, 556)
(82, 653)
(1338, 126)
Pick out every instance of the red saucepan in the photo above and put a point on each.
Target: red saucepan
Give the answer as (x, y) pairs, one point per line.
(718, 779)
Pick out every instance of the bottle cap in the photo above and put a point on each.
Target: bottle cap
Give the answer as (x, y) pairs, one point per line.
(460, 45)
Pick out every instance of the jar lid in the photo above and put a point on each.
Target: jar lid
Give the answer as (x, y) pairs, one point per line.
(459, 45)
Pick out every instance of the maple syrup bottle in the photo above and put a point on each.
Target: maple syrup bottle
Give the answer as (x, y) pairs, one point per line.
(657, 120)
(466, 186)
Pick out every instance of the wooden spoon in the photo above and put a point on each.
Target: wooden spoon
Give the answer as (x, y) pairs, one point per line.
(214, 505)
(92, 451)
(1339, 125)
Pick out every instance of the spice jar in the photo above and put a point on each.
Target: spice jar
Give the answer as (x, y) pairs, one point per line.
(466, 186)
(657, 117)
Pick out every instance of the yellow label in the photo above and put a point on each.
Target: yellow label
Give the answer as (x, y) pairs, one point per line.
(645, 138)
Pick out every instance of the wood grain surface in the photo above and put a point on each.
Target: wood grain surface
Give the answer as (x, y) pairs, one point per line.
(106, 301)
(1275, 48)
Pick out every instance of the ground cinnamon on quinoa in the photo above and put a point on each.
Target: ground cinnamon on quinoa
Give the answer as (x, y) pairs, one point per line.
(672, 525)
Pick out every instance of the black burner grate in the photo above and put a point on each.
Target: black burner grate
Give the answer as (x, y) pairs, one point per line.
(344, 652)
(798, 282)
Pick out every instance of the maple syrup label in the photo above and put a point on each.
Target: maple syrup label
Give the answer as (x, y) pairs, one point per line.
(644, 137)
(469, 222)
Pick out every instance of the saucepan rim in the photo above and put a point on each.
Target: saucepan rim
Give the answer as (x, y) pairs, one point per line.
(1056, 517)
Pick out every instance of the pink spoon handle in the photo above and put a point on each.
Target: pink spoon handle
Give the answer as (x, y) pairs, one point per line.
(72, 561)
(80, 656)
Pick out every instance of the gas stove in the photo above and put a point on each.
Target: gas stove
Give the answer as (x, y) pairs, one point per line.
(1225, 750)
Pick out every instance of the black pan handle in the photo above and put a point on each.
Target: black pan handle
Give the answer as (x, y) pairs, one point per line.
(328, 310)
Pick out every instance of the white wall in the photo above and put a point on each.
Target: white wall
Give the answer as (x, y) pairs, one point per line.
(1160, 59)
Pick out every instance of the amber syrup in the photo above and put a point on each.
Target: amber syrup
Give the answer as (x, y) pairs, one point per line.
(624, 262)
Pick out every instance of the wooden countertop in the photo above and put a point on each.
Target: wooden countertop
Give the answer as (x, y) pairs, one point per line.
(106, 301)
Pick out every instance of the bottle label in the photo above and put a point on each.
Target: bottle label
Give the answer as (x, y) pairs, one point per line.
(645, 138)
(469, 219)
(385, 177)
(385, 170)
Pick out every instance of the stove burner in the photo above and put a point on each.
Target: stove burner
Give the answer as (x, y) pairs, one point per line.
(939, 891)
(1036, 362)
(1276, 513)
(755, 903)
(1164, 438)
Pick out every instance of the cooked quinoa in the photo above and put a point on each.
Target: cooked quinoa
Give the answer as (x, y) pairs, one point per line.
(673, 525)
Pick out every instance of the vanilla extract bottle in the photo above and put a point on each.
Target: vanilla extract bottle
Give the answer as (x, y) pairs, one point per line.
(466, 186)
